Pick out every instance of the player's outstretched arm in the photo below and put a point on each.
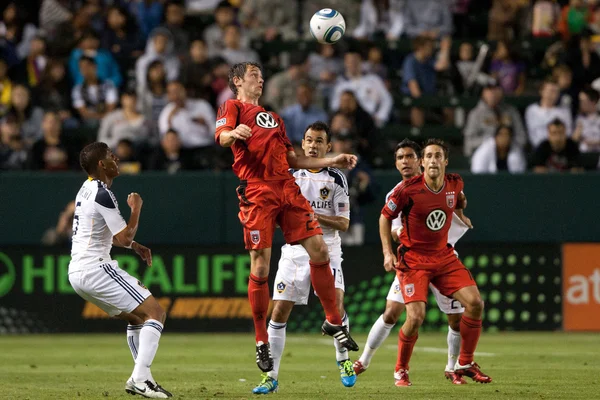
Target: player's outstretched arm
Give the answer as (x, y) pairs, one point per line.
(385, 228)
(228, 138)
(125, 237)
(300, 161)
(335, 222)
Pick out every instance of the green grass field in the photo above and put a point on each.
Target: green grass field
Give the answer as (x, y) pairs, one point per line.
(221, 366)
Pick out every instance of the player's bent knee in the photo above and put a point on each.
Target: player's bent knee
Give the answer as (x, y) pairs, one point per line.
(475, 306)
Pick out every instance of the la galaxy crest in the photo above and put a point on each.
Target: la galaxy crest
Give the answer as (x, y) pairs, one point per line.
(324, 193)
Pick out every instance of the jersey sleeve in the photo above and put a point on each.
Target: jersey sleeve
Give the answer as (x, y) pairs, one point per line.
(286, 140)
(106, 205)
(227, 118)
(395, 203)
(397, 222)
(341, 198)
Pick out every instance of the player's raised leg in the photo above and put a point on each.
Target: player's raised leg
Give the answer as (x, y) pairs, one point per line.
(347, 374)
(258, 295)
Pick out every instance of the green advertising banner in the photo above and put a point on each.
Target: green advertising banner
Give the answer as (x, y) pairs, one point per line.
(205, 289)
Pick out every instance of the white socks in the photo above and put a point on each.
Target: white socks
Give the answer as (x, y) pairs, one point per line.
(133, 339)
(276, 332)
(453, 348)
(341, 353)
(377, 335)
(149, 336)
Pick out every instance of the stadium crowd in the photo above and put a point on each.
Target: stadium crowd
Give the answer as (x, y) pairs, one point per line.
(511, 84)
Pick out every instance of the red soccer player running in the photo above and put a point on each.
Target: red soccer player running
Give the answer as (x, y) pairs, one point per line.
(427, 202)
(269, 196)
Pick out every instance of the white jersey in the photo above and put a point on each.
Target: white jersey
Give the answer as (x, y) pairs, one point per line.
(97, 219)
(327, 193)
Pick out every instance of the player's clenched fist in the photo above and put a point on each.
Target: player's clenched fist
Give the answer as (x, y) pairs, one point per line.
(134, 201)
(242, 132)
(389, 262)
(344, 161)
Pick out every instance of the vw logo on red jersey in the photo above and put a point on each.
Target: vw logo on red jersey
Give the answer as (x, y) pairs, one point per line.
(266, 120)
(436, 220)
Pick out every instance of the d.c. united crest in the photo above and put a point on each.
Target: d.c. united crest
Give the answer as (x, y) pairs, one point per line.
(450, 200)
(409, 290)
(255, 236)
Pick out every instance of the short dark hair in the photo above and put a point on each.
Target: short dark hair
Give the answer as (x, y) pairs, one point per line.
(436, 142)
(319, 126)
(500, 127)
(238, 71)
(556, 122)
(591, 94)
(87, 59)
(421, 41)
(409, 143)
(91, 154)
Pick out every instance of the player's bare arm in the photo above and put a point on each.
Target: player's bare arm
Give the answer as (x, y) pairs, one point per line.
(125, 237)
(228, 138)
(396, 235)
(335, 222)
(389, 258)
(461, 203)
(300, 161)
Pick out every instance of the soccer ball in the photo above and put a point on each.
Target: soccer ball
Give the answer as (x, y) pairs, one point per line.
(327, 26)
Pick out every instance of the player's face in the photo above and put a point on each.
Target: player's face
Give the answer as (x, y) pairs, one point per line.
(434, 161)
(407, 162)
(110, 164)
(315, 144)
(252, 84)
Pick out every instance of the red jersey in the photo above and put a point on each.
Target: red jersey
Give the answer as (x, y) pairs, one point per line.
(426, 215)
(264, 155)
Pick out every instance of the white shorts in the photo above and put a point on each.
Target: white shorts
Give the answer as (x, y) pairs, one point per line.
(447, 305)
(292, 282)
(110, 288)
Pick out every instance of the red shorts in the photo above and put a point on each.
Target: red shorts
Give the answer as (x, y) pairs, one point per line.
(265, 204)
(443, 269)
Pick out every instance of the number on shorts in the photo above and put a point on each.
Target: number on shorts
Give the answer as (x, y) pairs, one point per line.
(455, 305)
(76, 219)
(311, 218)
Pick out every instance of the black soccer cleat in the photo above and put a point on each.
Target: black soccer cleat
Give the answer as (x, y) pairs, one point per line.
(264, 359)
(340, 333)
(159, 388)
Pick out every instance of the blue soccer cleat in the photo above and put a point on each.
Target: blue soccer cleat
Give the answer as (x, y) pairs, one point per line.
(347, 374)
(266, 386)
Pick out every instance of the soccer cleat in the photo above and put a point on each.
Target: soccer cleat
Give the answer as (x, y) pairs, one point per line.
(266, 386)
(472, 371)
(146, 389)
(347, 374)
(359, 368)
(264, 359)
(340, 333)
(454, 378)
(161, 389)
(401, 378)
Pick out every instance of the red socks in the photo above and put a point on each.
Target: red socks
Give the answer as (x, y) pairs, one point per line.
(405, 349)
(470, 329)
(323, 283)
(258, 294)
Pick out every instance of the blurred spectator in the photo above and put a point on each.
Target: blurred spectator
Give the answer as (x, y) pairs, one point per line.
(545, 18)
(96, 11)
(594, 24)
(124, 123)
(573, 18)
(466, 63)
(489, 114)
(583, 61)
(152, 99)
(201, 6)
(539, 115)
(51, 152)
(5, 88)
(281, 88)
(169, 156)
(53, 92)
(213, 35)
(587, 126)
(507, 70)
(159, 47)
(16, 32)
(174, 22)
(499, 153)
(195, 73)
(375, 65)
(193, 119)
(128, 160)
(13, 153)
(324, 67)
(350, 9)
(63, 231)
(30, 70)
(121, 37)
(233, 51)
(380, 18)
(220, 82)
(564, 78)
(419, 72)
(502, 23)
(148, 14)
(428, 18)
(361, 189)
(557, 152)
(363, 125)
(107, 67)
(93, 98)
(28, 116)
(53, 13)
(269, 19)
(69, 33)
(369, 89)
(460, 12)
(301, 114)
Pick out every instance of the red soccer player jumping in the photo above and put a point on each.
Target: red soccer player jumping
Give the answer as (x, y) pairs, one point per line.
(269, 196)
(427, 202)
